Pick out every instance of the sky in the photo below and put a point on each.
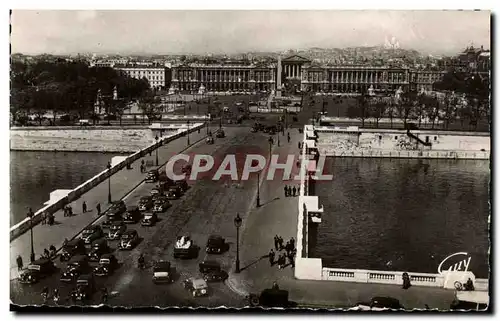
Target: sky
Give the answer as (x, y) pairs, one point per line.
(201, 32)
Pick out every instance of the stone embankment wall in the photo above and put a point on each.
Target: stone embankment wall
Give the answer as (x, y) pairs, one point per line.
(76, 139)
(354, 142)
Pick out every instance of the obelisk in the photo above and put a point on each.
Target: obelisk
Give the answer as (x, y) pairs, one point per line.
(278, 81)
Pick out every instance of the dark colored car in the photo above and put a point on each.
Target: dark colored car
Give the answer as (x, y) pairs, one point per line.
(182, 184)
(162, 272)
(160, 188)
(216, 244)
(112, 219)
(161, 204)
(149, 219)
(77, 266)
(73, 247)
(129, 240)
(220, 134)
(379, 304)
(107, 265)
(99, 248)
(209, 266)
(173, 193)
(116, 230)
(216, 276)
(117, 208)
(152, 176)
(85, 287)
(92, 233)
(37, 270)
(132, 215)
(270, 298)
(145, 203)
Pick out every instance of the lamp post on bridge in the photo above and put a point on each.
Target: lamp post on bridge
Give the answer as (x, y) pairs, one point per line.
(156, 139)
(188, 132)
(237, 223)
(30, 216)
(109, 183)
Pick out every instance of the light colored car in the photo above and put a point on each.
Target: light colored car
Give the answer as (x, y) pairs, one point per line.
(129, 240)
(197, 287)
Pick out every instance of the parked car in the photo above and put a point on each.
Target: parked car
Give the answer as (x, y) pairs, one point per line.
(216, 276)
(220, 133)
(173, 193)
(149, 219)
(379, 304)
(77, 266)
(99, 248)
(111, 219)
(161, 204)
(145, 203)
(107, 265)
(152, 176)
(116, 230)
(162, 272)
(129, 240)
(37, 270)
(85, 287)
(160, 188)
(117, 208)
(182, 184)
(216, 244)
(92, 233)
(197, 287)
(209, 266)
(209, 140)
(73, 247)
(271, 298)
(132, 215)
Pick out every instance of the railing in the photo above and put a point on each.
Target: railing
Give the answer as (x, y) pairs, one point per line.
(24, 225)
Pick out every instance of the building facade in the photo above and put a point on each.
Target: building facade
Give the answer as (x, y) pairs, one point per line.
(424, 79)
(155, 74)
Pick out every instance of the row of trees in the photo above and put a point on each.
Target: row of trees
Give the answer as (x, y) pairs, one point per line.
(462, 99)
(68, 88)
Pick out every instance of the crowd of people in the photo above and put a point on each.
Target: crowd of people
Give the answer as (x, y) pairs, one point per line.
(284, 251)
(291, 191)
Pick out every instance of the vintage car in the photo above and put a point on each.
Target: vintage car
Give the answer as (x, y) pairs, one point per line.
(37, 270)
(92, 233)
(129, 240)
(116, 230)
(112, 218)
(173, 193)
(209, 266)
(216, 244)
(470, 301)
(197, 287)
(107, 265)
(184, 248)
(186, 169)
(149, 219)
(145, 203)
(73, 247)
(99, 248)
(182, 184)
(378, 304)
(117, 208)
(209, 140)
(216, 276)
(161, 204)
(85, 288)
(152, 176)
(77, 266)
(271, 298)
(162, 272)
(132, 215)
(160, 189)
(254, 129)
(220, 133)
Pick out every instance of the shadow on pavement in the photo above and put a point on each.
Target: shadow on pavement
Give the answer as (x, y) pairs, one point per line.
(264, 204)
(254, 262)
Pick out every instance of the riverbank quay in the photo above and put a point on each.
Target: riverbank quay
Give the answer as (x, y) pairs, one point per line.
(353, 141)
(93, 192)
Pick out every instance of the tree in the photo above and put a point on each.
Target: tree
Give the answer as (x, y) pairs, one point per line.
(406, 105)
(150, 106)
(377, 109)
(362, 103)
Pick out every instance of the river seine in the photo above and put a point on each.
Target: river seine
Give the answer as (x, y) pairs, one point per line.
(34, 175)
(403, 214)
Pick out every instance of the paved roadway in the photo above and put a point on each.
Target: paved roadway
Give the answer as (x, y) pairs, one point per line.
(208, 207)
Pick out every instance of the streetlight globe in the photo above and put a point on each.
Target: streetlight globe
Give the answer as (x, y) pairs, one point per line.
(237, 221)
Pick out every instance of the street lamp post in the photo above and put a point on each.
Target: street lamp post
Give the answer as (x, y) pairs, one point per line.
(270, 140)
(188, 132)
(278, 135)
(30, 215)
(258, 189)
(237, 223)
(156, 139)
(109, 183)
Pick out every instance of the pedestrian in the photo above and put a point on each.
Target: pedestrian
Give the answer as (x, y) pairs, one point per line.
(70, 210)
(65, 242)
(286, 190)
(292, 243)
(276, 242)
(406, 281)
(298, 190)
(98, 207)
(52, 250)
(287, 248)
(280, 261)
(46, 253)
(294, 190)
(44, 219)
(280, 242)
(288, 137)
(271, 257)
(298, 144)
(291, 260)
(84, 207)
(19, 261)
(65, 210)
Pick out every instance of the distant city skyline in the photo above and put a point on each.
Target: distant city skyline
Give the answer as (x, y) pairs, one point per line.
(218, 32)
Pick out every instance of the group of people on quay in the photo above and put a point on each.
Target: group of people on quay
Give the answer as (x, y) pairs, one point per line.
(284, 252)
(291, 191)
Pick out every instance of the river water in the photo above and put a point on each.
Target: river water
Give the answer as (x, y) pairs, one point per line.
(34, 175)
(403, 214)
